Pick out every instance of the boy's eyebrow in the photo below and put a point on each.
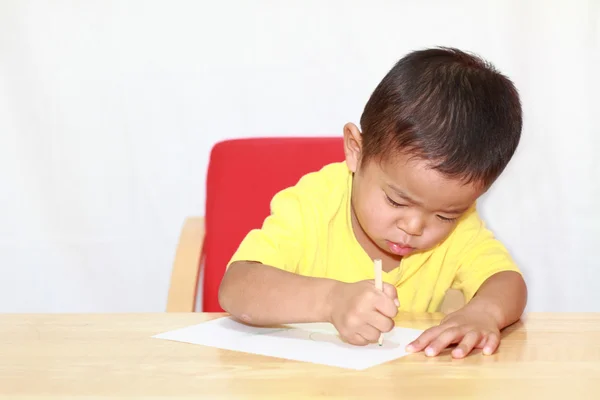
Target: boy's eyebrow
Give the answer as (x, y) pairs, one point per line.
(451, 210)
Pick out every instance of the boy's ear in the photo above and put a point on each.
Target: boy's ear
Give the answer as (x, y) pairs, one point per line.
(352, 146)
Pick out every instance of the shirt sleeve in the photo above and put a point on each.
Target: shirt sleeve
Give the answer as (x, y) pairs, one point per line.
(280, 240)
(482, 257)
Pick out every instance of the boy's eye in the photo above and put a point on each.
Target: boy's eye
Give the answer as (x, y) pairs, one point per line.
(392, 202)
(446, 219)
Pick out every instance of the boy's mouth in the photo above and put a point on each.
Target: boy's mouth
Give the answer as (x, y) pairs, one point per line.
(399, 248)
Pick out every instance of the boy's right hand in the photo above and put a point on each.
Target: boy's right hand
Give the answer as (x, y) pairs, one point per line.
(361, 313)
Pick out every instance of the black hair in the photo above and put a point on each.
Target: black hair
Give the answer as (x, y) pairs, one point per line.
(448, 107)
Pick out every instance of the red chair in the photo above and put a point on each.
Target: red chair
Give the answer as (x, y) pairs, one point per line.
(243, 176)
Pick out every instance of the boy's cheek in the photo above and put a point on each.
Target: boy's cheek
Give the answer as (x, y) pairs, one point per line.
(437, 235)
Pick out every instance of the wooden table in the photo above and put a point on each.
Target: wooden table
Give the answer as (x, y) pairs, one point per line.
(113, 356)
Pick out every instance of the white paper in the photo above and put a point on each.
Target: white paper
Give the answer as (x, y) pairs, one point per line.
(317, 343)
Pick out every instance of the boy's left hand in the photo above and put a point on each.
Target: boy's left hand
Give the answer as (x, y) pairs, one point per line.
(469, 328)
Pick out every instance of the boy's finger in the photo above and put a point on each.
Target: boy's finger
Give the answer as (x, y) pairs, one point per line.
(355, 339)
(425, 338)
(391, 292)
(381, 322)
(445, 339)
(491, 344)
(385, 306)
(369, 333)
(482, 342)
(471, 339)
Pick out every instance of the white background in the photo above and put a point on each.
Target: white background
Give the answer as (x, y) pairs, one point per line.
(108, 111)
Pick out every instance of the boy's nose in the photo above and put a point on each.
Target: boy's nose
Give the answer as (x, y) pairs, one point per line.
(412, 226)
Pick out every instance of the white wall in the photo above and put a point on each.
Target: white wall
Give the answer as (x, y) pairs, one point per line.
(108, 110)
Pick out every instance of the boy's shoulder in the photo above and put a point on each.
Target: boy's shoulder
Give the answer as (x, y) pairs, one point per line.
(329, 177)
(314, 185)
(321, 189)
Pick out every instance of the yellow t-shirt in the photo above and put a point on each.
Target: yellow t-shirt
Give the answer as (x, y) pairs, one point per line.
(309, 232)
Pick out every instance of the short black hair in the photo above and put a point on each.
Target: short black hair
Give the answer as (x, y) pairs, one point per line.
(448, 107)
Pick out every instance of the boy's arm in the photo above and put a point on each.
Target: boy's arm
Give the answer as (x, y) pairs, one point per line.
(503, 296)
(263, 295)
(499, 303)
(495, 291)
(262, 285)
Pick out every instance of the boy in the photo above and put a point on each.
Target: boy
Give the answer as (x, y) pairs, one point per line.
(436, 133)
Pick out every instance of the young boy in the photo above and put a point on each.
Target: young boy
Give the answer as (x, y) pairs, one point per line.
(436, 133)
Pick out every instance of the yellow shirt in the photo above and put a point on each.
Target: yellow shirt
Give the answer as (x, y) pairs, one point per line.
(309, 232)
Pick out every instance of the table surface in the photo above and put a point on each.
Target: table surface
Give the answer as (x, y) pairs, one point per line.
(113, 356)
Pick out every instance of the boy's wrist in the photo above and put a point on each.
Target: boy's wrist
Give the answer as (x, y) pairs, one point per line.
(328, 290)
(489, 307)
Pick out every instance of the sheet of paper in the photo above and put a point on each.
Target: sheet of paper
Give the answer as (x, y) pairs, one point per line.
(317, 343)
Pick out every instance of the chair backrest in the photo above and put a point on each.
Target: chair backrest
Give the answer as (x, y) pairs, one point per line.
(243, 176)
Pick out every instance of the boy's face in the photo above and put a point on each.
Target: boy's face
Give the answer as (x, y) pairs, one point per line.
(401, 206)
